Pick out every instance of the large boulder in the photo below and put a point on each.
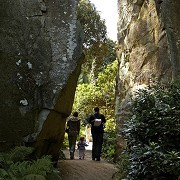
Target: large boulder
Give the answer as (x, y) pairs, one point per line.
(149, 50)
(40, 62)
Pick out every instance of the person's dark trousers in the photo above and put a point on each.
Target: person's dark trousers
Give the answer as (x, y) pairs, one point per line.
(72, 137)
(97, 145)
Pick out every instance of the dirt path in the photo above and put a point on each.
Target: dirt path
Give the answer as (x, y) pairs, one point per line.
(85, 169)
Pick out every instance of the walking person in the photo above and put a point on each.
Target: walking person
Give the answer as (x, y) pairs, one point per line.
(82, 147)
(73, 126)
(97, 122)
(88, 133)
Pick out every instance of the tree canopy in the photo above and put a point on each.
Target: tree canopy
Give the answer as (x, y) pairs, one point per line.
(102, 94)
(97, 48)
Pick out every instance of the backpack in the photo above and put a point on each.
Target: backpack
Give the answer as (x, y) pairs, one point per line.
(97, 122)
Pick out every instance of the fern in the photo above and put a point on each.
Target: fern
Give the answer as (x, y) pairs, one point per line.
(5, 161)
(41, 166)
(3, 174)
(18, 169)
(15, 166)
(33, 177)
(20, 153)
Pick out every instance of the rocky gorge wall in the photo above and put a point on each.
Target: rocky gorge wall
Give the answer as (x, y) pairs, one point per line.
(149, 49)
(40, 62)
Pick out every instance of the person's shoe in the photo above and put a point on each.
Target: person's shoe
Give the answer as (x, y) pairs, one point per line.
(98, 159)
(93, 159)
(71, 155)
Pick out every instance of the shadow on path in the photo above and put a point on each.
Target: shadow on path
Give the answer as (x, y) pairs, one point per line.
(86, 169)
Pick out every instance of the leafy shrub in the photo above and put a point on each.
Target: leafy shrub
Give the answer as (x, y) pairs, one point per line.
(109, 140)
(122, 166)
(108, 149)
(15, 165)
(153, 134)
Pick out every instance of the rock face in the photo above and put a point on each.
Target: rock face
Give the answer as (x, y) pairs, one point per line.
(149, 49)
(40, 61)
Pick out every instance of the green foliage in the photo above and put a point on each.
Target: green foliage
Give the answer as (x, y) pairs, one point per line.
(93, 26)
(65, 142)
(99, 51)
(19, 153)
(102, 94)
(108, 150)
(34, 177)
(110, 52)
(61, 154)
(15, 165)
(122, 166)
(153, 134)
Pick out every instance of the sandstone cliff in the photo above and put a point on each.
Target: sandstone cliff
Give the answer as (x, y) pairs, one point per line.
(149, 49)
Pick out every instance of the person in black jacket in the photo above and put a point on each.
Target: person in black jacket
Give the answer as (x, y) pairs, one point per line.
(73, 126)
(97, 122)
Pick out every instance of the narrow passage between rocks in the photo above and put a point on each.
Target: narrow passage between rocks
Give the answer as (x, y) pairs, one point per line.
(86, 169)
